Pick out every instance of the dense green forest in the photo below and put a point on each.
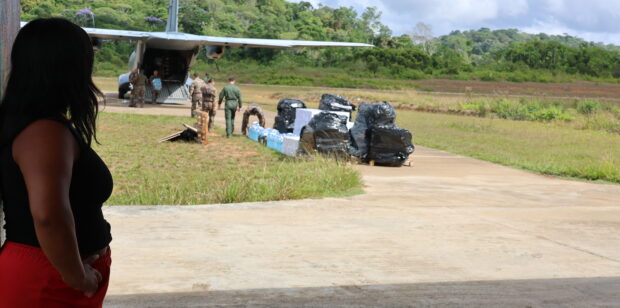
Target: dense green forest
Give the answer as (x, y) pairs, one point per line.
(477, 54)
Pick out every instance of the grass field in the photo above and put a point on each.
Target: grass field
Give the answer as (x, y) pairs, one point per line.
(541, 147)
(357, 76)
(228, 170)
(582, 114)
(106, 84)
(586, 147)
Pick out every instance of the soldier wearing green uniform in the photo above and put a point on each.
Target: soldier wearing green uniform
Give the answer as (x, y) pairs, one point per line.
(195, 92)
(232, 94)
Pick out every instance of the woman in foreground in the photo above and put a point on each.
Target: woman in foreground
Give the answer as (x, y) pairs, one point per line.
(52, 182)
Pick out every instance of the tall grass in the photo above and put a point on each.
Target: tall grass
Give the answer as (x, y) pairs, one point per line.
(288, 179)
(546, 148)
(533, 110)
(227, 170)
(580, 114)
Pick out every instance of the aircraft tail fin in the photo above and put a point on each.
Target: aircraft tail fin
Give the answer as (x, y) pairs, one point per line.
(173, 16)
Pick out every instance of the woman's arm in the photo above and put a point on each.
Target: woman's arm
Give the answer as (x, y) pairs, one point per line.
(45, 152)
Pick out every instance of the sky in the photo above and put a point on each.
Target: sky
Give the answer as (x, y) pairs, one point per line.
(592, 20)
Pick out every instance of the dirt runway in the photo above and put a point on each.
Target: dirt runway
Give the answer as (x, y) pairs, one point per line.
(120, 106)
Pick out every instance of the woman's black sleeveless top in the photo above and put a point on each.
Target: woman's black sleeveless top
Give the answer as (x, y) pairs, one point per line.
(91, 186)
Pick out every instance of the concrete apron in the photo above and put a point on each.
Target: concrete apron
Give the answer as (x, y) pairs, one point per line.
(448, 231)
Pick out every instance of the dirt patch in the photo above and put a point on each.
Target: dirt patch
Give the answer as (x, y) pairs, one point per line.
(581, 89)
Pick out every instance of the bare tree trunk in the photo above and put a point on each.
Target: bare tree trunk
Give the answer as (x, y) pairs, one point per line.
(9, 25)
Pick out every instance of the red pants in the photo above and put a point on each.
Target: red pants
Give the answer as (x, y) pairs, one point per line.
(28, 279)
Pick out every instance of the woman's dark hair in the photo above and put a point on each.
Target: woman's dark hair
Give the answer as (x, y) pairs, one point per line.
(51, 68)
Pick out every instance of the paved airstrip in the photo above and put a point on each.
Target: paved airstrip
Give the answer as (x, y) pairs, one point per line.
(448, 231)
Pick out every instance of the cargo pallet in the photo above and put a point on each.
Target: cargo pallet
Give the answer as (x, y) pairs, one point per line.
(407, 163)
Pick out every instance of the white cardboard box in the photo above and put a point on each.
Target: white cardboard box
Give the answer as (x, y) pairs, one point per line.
(290, 144)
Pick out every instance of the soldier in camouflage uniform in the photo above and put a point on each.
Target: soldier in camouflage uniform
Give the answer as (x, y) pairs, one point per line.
(208, 100)
(132, 78)
(195, 92)
(252, 109)
(138, 80)
(232, 94)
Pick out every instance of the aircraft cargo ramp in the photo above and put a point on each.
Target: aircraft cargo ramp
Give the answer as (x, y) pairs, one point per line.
(172, 92)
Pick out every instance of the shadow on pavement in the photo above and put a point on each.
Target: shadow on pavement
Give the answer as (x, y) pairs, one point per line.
(570, 292)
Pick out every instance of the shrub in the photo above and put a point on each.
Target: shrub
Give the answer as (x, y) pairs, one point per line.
(413, 75)
(588, 107)
(518, 76)
(107, 69)
(507, 109)
(604, 122)
(547, 114)
(481, 107)
(489, 76)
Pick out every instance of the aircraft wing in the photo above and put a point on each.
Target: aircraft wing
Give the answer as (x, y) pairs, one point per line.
(181, 38)
(186, 38)
(272, 43)
(113, 34)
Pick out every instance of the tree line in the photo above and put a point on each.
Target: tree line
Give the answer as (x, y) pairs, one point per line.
(483, 54)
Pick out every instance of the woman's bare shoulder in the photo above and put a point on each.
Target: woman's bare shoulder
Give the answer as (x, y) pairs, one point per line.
(44, 137)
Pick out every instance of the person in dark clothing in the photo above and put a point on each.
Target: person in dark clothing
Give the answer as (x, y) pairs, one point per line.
(52, 183)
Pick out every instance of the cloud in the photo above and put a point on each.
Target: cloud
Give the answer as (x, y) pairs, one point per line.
(589, 19)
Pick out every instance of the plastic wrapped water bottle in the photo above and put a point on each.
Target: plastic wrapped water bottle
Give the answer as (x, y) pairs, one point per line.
(255, 131)
(276, 141)
(271, 140)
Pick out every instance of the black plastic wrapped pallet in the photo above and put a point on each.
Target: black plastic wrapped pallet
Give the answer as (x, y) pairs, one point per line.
(359, 132)
(282, 124)
(382, 114)
(330, 102)
(326, 133)
(390, 145)
(369, 115)
(331, 133)
(288, 104)
(287, 109)
(307, 140)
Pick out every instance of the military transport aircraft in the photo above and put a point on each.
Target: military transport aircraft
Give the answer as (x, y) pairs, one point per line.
(173, 53)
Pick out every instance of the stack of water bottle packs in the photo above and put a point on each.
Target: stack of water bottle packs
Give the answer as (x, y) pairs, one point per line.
(329, 130)
(255, 131)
